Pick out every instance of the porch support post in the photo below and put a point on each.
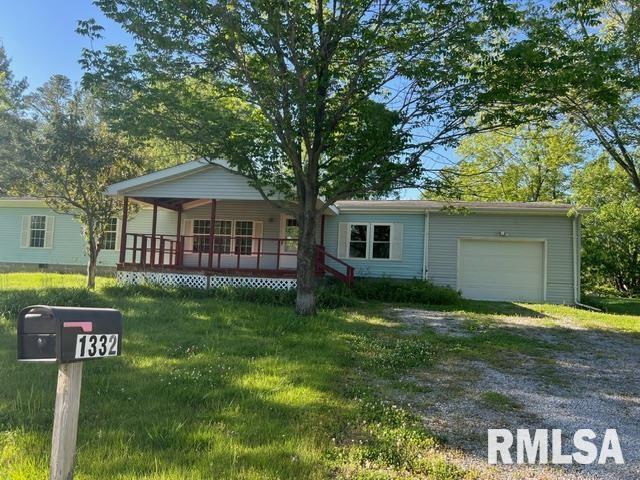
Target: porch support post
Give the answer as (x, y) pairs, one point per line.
(123, 229)
(178, 256)
(322, 230)
(154, 224)
(211, 229)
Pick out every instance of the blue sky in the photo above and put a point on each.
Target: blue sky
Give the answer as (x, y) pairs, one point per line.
(39, 36)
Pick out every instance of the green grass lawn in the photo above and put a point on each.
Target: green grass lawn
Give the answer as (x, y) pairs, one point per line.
(214, 389)
(209, 388)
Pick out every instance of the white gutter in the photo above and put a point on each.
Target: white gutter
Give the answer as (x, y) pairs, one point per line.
(425, 255)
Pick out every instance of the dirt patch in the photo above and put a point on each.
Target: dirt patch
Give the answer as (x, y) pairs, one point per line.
(592, 382)
(441, 322)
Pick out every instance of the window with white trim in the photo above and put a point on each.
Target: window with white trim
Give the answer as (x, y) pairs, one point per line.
(222, 236)
(201, 229)
(372, 241)
(110, 234)
(244, 237)
(291, 234)
(37, 231)
(381, 241)
(230, 236)
(358, 239)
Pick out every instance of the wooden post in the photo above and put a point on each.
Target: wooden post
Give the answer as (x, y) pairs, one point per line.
(212, 227)
(65, 421)
(259, 250)
(135, 248)
(123, 230)
(154, 224)
(322, 230)
(178, 242)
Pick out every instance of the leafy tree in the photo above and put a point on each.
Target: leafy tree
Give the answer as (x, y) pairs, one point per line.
(68, 158)
(526, 164)
(580, 59)
(611, 238)
(12, 123)
(334, 99)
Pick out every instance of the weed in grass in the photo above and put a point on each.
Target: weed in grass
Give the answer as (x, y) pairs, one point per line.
(395, 356)
(499, 401)
(387, 441)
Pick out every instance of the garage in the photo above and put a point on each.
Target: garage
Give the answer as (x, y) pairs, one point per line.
(502, 269)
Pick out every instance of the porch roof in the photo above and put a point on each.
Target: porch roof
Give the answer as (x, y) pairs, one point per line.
(191, 182)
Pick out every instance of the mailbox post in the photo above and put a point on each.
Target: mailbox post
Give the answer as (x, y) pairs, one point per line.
(67, 336)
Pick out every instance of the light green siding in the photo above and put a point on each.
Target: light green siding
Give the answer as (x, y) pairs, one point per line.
(445, 230)
(68, 244)
(410, 266)
(210, 182)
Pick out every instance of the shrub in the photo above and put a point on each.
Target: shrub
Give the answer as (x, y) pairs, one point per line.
(405, 291)
(331, 294)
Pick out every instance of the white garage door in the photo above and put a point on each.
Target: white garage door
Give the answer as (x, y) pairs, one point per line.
(501, 270)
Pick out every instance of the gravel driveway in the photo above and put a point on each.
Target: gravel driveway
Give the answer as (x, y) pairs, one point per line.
(575, 378)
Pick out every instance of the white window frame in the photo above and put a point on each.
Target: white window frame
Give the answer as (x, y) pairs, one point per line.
(231, 243)
(43, 230)
(370, 251)
(369, 243)
(251, 237)
(194, 234)
(366, 250)
(283, 232)
(233, 235)
(115, 232)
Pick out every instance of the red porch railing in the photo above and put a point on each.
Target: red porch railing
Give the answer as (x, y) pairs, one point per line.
(230, 254)
(325, 262)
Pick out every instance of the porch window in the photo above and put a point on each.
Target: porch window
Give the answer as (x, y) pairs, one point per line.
(201, 230)
(291, 233)
(37, 231)
(358, 240)
(110, 234)
(222, 236)
(244, 237)
(381, 245)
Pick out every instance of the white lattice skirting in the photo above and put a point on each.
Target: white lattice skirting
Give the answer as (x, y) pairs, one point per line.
(195, 280)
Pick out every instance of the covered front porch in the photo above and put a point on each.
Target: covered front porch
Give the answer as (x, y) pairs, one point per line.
(205, 219)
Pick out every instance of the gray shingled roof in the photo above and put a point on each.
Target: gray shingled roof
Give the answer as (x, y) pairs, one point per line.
(437, 205)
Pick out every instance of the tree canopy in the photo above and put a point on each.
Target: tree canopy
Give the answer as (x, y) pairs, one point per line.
(529, 163)
(68, 156)
(580, 60)
(334, 99)
(611, 239)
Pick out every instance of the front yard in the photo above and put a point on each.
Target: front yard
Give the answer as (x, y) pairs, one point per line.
(209, 388)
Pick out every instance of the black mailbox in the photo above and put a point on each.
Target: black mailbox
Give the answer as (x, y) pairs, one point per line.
(68, 334)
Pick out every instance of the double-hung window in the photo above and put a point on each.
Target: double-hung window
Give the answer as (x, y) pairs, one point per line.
(244, 237)
(229, 236)
(381, 241)
(222, 236)
(358, 236)
(201, 229)
(369, 241)
(110, 234)
(37, 231)
(291, 234)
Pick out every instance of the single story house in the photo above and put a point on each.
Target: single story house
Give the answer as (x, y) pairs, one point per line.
(489, 251)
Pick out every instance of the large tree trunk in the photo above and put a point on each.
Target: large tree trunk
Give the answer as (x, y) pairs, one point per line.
(92, 264)
(306, 295)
